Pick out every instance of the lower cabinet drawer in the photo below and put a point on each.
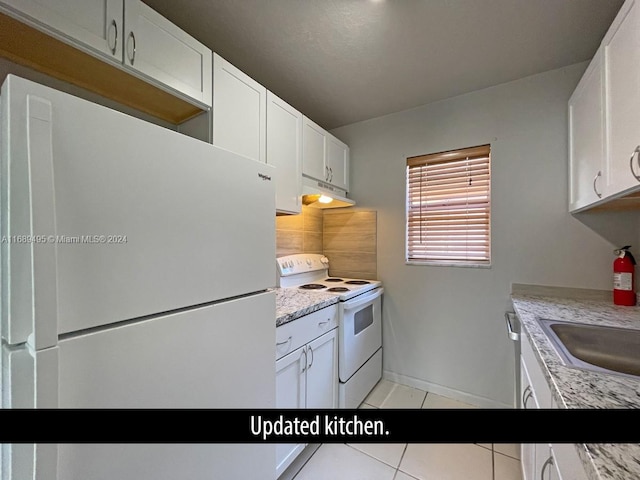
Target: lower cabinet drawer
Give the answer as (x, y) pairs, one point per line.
(296, 333)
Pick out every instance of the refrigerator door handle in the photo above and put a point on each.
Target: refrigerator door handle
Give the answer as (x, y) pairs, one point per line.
(43, 246)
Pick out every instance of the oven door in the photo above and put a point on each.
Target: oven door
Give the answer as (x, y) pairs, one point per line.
(360, 331)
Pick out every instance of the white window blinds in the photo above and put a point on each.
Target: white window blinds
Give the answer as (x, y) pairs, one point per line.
(449, 207)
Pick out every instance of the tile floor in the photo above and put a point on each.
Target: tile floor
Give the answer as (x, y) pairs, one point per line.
(412, 461)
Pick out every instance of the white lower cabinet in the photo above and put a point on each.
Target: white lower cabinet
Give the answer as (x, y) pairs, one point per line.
(306, 370)
(543, 461)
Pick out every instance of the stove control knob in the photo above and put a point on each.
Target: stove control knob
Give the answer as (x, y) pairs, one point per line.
(324, 260)
(309, 261)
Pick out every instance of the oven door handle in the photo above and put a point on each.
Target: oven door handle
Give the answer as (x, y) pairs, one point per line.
(363, 299)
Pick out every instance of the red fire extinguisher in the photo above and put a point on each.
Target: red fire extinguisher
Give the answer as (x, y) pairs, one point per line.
(624, 292)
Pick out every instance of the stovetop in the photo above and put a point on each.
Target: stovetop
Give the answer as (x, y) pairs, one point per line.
(309, 273)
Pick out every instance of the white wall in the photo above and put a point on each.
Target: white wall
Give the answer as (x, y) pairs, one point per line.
(444, 326)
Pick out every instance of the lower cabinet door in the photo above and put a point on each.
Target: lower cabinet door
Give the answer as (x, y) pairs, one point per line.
(544, 463)
(290, 393)
(322, 371)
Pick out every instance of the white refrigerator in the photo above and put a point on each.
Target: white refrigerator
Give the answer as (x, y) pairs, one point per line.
(136, 264)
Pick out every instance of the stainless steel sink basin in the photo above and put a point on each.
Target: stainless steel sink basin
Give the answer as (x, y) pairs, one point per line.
(594, 347)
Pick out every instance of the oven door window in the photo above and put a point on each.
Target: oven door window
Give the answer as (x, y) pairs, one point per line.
(362, 319)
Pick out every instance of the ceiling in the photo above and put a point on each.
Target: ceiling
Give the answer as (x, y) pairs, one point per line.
(342, 61)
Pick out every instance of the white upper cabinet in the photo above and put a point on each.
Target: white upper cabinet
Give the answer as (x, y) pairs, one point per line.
(314, 151)
(604, 121)
(338, 162)
(95, 24)
(324, 157)
(284, 151)
(239, 111)
(130, 35)
(586, 138)
(622, 84)
(158, 49)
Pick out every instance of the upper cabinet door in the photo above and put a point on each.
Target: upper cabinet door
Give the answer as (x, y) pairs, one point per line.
(284, 151)
(158, 49)
(622, 84)
(239, 111)
(586, 138)
(314, 151)
(338, 162)
(95, 24)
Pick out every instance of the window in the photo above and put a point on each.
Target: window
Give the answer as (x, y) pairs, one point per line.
(448, 207)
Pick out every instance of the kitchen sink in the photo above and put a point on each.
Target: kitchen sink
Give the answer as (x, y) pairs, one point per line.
(595, 347)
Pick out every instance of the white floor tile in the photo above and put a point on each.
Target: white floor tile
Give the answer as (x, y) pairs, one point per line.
(510, 449)
(447, 462)
(341, 462)
(366, 405)
(402, 396)
(403, 476)
(379, 393)
(438, 401)
(506, 468)
(389, 453)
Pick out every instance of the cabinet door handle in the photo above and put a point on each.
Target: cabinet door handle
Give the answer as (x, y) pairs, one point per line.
(595, 179)
(326, 173)
(636, 151)
(330, 174)
(283, 343)
(526, 395)
(322, 324)
(311, 364)
(304, 367)
(547, 462)
(132, 57)
(115, 40)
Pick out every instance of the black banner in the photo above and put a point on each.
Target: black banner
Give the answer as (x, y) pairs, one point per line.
(320, 426)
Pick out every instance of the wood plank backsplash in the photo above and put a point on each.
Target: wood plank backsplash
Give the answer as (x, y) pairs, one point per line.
(349, 240)
(348, 237)
(299, 233)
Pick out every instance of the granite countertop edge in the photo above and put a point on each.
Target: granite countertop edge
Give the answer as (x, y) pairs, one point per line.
(574, 388)
(292, 304)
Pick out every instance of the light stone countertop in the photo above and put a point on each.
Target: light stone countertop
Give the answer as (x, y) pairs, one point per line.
(292, 303)
(575, 388)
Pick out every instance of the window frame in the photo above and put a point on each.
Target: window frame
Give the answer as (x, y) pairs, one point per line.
(439, 157)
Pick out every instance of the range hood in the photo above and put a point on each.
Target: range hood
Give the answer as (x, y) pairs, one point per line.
(322, 195)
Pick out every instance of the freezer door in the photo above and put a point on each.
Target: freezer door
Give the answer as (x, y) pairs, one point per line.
(218, 356)
(109, 218)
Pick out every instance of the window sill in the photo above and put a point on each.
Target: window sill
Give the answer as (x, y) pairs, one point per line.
(444, 264)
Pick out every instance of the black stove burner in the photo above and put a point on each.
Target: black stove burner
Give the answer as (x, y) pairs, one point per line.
(312, 286)
(334, 280)
(338, 289)
(357, 282)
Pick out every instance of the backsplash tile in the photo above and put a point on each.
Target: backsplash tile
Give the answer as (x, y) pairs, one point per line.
(300, 233)
(350, 242)
(348, 237)
(312, 242)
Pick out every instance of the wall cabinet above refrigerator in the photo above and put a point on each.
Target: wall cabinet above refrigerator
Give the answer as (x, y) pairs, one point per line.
(121, 49)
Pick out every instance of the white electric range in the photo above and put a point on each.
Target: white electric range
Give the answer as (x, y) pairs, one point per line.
(359, 322)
